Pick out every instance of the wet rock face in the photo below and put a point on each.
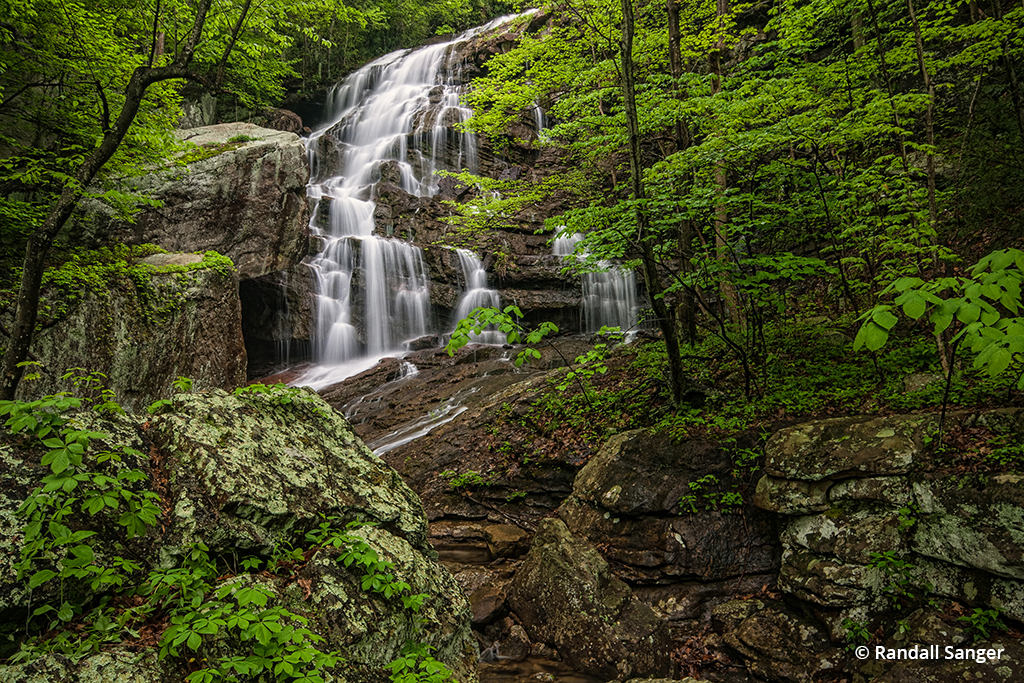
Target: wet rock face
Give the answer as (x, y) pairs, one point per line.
(565, 595)
(182, 324)
(278, 318)
(246, 200)
(385, 405)
(245, 473)
(626, 500)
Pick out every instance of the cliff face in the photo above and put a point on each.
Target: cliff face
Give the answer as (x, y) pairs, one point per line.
(143, 324)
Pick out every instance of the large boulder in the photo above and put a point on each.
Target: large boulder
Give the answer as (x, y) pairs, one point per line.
(159, 318)
(854, 488)
(566, 596)
(626, 501)
(241, 192)
(248, 475)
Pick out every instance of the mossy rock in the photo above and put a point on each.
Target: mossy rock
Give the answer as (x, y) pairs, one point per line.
(246, 474)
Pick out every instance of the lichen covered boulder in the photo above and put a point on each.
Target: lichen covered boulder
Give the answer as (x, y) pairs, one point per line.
(143, 321)
(248, 475)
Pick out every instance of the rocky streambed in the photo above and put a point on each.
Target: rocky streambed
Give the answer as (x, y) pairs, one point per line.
(847, 532)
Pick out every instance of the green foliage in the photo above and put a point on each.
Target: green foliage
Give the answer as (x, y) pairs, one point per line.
(353, 34)
(813, 135)
(89, 608)
(593, 362)
(416, 665)
(1006, 454)
(506, 322)
(901, 587)
(719, 501)
(279, 642)
(981, 623)
(465, 480)
(279, 393)
(908, 516)
(857, 633)
(986, 306)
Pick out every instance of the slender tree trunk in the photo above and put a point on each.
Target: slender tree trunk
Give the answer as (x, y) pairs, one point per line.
(26, 311)
(929, 121)
(687, 308)
(1011, 73)
(857, 25)
(677, 379)
(727, 292)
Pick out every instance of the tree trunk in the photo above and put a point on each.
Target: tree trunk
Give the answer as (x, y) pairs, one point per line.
(26, 310)
(727, 292)
(677, 379)
(933, 212)
(686, 309)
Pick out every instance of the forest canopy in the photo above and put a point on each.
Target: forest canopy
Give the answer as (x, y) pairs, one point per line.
(735, 154)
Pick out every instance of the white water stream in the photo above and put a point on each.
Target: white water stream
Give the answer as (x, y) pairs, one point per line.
(609, 295)
(477, 295)
(395, 114)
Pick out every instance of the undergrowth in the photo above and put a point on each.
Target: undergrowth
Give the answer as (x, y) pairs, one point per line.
(811, 373)
(214, 616)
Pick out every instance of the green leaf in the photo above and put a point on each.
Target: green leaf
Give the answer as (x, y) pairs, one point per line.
(915, 307)
(41, 577)
(886, 320)
(871, 336)
(941, 320)
(968, 313)
(999, 361)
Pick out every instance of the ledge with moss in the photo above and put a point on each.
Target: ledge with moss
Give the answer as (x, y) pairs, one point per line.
(142, 317)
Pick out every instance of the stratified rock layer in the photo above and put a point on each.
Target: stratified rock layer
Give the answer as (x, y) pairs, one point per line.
(883, 547)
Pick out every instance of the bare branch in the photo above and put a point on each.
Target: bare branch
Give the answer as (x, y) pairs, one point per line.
(156, 26)
(231, 43)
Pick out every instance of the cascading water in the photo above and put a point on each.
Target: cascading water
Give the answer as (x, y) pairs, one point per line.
(394, 117)
(477, 295)
(609, 295)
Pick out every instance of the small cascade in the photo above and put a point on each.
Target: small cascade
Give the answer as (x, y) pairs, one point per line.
(392, 121)
(609, 295)
(540, 121)
(477, 295)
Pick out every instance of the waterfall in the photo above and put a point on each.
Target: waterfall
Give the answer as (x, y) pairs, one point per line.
(393, 120)
(476, 295)
(540, 121)
(609, 295)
